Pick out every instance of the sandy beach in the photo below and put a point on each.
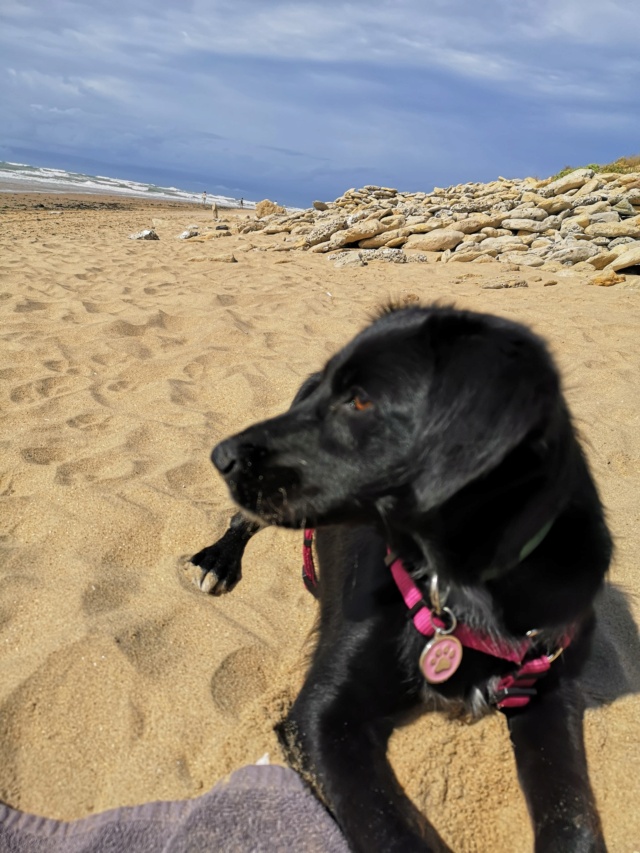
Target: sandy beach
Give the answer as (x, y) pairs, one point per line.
(121, 364)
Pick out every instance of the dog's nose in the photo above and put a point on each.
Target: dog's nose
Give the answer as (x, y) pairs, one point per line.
(224, 456)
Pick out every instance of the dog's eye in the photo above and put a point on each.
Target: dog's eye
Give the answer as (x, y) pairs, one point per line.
(360, 403)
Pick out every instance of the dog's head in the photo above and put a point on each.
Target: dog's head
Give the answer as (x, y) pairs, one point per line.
(421, 403)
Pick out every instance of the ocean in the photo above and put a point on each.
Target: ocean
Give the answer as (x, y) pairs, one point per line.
(19, 177)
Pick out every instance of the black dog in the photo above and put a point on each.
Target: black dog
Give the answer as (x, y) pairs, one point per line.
(441, 438)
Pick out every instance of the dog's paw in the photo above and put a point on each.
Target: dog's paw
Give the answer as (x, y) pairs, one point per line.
(207, 580)
(188, 573)
(213, 572)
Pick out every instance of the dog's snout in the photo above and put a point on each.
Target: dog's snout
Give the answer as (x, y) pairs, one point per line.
(225, 456)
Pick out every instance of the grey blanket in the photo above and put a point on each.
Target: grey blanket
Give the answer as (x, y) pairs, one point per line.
(259, 808)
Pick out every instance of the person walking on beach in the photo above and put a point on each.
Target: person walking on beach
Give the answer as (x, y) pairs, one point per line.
(241, 202)
(204, 198)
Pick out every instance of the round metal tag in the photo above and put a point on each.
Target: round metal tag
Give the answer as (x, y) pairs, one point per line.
(440, 658)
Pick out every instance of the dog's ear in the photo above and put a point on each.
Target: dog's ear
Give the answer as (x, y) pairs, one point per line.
(492, 383)
(307, 388)
(548, 473)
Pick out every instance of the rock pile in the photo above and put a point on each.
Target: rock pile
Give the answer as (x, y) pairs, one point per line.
(147, 234)
(582, 219)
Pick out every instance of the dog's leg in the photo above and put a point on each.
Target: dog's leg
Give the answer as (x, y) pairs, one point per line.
(550, 756)
(336, 737)
(221, 563)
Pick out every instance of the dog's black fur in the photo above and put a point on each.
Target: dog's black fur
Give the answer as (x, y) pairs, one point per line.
(443, 435)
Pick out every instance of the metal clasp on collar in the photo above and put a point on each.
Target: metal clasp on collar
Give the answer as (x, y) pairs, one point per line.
(447, 615)
(533, 633)
(556, 654)
(438, 600)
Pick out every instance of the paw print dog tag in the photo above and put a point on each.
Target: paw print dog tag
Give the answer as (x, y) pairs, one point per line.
(441, 658)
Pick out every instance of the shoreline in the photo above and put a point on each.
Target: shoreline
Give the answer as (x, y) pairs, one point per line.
(18, 200)
(33, 185)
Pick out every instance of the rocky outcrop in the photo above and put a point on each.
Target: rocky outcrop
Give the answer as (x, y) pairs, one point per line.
(585, 219)
(147, 234)
(268, 208)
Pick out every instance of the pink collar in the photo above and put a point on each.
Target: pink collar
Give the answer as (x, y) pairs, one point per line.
(428, 623)
(510, 691)
(309, 576)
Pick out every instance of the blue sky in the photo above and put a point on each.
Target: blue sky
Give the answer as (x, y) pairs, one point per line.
(301, 100)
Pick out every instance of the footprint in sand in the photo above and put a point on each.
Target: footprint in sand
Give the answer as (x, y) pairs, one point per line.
(101, 307)
(241, 677)
(149, 647)
(30, 305)
(61, 366)
(57, 365)
(90, 422)
(43, 455)
(121, 385)
(169, 322)
(108, 593)
(151, 291)
(183, 393)
(108, 467)
(128, 330)
(34, 392)
(226, 299)
(191, 478)
(6, 484)
(193, 370)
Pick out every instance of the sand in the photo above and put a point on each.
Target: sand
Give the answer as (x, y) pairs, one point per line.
(121, 364)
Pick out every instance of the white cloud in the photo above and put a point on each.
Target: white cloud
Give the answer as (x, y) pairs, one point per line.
(53, 84)
(615, 23)
(71, 111)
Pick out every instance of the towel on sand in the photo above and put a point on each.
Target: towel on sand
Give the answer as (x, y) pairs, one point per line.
(259, 809)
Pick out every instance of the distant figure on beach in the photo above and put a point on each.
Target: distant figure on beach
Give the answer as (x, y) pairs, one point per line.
(204, 198)
(241, 202)
(214, 210)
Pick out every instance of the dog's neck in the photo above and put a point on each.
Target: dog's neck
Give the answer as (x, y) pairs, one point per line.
(446, 547)
(494, 521)
(477, 602)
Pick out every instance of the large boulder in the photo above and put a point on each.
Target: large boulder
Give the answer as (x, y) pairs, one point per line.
(357, 232)
(324, 230)
(583, 251)
(627, 228)
(577, 178)
(630, 258)
(436, 241)
(266, 208)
